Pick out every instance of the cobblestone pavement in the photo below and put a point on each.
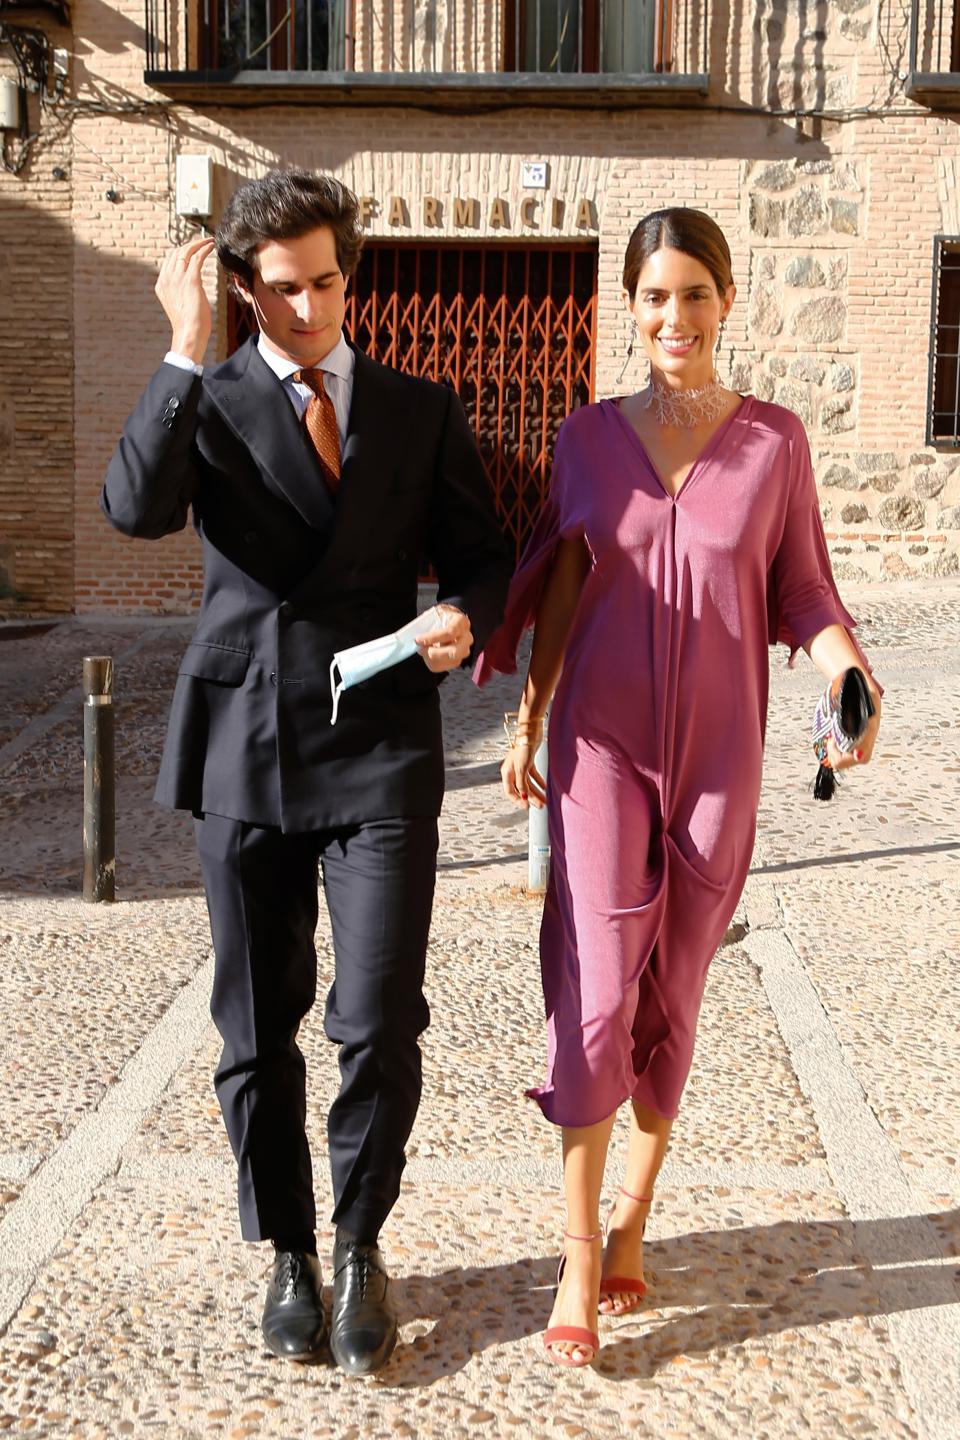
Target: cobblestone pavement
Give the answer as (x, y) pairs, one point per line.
(804, 1245)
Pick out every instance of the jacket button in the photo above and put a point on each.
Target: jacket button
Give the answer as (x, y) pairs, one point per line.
(174, 402)
(250, 537)
(401, 554)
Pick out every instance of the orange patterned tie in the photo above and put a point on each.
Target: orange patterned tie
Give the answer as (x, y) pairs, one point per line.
(320, 419)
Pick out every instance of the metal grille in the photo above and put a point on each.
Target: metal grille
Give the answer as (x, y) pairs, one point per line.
(512, 330)
(429, 37)
(935, 36)
(578, 37)
(276, 35)
(943, 404)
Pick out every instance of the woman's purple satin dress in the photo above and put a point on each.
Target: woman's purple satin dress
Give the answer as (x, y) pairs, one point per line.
(657, 728)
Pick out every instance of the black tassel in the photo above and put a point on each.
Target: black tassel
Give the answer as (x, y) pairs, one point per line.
(825, 784)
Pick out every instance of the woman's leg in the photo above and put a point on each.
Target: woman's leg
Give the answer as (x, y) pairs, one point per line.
(584, 1157)
(649, 1136)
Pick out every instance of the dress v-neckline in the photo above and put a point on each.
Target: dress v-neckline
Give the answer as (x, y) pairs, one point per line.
(698, 460)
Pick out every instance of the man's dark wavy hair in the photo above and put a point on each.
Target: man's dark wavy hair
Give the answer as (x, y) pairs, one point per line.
(283, 205)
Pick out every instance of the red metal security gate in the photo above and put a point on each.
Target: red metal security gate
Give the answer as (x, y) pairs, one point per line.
(510, 328)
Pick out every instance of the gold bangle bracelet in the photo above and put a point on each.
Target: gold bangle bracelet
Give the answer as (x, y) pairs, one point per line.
(517, 730)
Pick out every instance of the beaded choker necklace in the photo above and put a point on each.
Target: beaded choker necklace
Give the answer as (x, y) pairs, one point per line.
(685, 408)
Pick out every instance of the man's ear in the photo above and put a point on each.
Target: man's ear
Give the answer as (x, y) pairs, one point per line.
(240, 289)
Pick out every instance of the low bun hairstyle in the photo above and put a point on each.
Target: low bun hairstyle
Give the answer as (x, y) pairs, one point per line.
(678, 228)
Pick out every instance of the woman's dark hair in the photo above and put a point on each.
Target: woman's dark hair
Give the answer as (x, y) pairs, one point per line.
(678, 228)
(283, 205)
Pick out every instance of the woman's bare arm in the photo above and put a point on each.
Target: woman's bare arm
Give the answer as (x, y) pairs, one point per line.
(558, 602)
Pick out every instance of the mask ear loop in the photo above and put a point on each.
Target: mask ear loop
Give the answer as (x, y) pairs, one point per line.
(336, 688)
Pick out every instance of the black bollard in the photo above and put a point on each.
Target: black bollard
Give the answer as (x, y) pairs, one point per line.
(99, 784)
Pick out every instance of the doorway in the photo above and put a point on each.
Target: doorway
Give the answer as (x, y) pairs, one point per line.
(510, 328)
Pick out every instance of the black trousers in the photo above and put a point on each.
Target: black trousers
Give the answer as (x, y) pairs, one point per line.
(261, 888)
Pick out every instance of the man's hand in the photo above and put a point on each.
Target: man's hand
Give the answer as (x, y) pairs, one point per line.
(449, 644)
(179, 289)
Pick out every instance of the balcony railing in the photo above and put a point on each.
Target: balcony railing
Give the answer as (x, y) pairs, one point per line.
(534, 51)
(934, 76)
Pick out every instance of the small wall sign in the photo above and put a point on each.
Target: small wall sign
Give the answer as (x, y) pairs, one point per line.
(533, 174)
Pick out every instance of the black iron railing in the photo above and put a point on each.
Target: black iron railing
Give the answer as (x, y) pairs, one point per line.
(935, 37)
(428, 38)
(943, 387)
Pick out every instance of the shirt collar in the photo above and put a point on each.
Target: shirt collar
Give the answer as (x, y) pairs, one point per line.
(339, 361)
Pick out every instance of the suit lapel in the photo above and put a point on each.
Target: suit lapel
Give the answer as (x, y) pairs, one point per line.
(252, 401)
(370, 455)
(376, 435)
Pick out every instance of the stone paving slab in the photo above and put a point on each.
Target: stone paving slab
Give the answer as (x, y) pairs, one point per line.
(916, 1094)
(80, 988)
(746, 1294)
(803, 1248)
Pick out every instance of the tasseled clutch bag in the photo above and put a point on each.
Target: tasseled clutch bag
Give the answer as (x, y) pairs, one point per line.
(844, 711)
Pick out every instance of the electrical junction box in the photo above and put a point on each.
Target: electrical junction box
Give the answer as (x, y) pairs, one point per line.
(194, 185)
(9, 104)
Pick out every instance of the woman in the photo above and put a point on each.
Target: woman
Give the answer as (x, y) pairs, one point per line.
(681, 536)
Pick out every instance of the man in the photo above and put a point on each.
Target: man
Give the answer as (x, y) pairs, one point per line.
(317, 480)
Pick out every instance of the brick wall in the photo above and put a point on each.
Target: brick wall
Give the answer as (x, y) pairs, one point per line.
(830, 221)
(36, 373)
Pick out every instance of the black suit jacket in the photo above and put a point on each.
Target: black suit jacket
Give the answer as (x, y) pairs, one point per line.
(292, 574)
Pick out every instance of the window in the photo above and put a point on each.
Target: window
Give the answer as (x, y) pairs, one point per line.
(943, 409)
(275, 34)
(571, 37)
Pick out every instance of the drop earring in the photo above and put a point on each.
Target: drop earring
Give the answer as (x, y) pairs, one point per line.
(716, 353)
(630, 347)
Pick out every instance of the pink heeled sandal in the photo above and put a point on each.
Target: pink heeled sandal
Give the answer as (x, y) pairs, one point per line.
(611, 1285)
(572, 1334)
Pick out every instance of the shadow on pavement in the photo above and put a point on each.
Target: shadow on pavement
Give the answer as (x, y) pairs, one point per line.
(815, 861)
(708, 1291)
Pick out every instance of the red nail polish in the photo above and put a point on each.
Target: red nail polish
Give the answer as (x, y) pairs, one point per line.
(858, 754)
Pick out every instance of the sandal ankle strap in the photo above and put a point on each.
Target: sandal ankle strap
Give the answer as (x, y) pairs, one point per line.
(640, 1199)
(597, 1235)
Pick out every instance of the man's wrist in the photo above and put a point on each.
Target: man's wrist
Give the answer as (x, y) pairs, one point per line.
(191, 347)
(182, 362)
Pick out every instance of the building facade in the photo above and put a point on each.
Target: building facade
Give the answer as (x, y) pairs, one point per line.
(503, 152)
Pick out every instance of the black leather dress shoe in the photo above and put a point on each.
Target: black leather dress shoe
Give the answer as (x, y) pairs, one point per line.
(293, 1322)
(363, 1325)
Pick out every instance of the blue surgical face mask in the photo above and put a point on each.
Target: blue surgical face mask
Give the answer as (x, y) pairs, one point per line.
(360, 662)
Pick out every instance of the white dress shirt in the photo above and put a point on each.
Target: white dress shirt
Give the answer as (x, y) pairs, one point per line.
(337, 367)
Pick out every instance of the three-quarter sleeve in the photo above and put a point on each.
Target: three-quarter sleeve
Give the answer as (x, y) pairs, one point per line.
(802, 596)
(529, 578)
